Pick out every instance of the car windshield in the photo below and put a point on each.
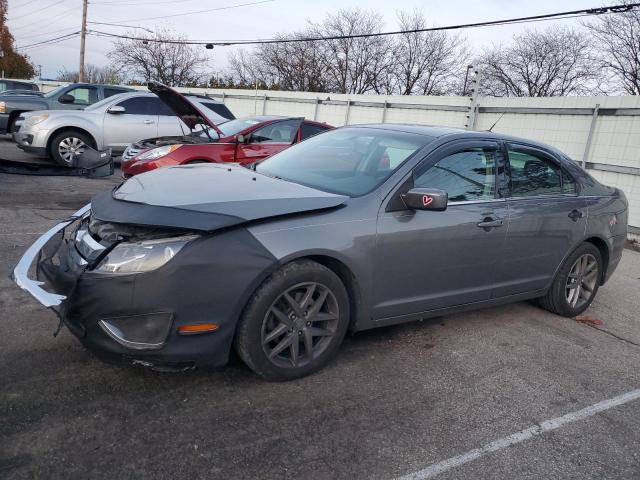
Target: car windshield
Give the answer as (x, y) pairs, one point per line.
(234, 126)
(54, 92)
(350, 161)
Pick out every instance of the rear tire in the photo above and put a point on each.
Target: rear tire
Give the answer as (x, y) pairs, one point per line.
(294, 323)
(576, 283)
(67, 143)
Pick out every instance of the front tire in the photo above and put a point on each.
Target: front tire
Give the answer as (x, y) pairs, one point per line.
(67, 144)
(576, 283)
(295, 322)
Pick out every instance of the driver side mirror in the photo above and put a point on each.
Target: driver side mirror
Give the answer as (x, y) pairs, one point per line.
(242, 139)
(67, 98)
(426, 199)
(116, 109)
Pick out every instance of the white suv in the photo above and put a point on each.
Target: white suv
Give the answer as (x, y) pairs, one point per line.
(114, 123)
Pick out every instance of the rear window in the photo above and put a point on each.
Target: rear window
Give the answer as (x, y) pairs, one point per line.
(309, 130)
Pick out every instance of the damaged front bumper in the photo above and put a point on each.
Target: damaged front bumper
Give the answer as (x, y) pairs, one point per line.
(130, 317)
(21, 271)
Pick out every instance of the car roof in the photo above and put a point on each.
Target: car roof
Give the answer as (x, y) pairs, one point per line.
(441, 132)
(77, 84)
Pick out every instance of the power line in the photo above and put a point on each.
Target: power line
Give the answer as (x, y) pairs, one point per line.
(24, 4)
(119, 25)
(129, 2)
(51, 40)
(48, 19)
(43, 8)
(533, 18)
(229, 7)
(44, 34)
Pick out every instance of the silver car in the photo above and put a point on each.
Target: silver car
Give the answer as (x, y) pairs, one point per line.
(114, 123)
(355, 228)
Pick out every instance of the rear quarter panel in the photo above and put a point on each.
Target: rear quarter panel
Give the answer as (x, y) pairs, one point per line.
(607, 219)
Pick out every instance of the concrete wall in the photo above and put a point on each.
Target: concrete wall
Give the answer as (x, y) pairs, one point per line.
(612, 156)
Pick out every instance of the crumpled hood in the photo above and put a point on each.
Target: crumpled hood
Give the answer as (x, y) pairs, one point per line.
(206, 197)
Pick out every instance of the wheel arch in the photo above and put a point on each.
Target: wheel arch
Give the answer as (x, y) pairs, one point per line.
(348, 278)
(13, 116)
(58, 130)
(603, 247)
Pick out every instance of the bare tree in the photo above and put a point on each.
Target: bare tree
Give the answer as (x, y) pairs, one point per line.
(425, 63)
(552, 62)
(617, 48)
(353, 65)
(174, 64)
(287, 66)
(93, 74)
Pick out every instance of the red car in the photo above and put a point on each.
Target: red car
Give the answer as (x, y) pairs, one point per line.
(243, 140)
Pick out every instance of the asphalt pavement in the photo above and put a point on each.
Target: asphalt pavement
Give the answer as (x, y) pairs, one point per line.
(450, 395)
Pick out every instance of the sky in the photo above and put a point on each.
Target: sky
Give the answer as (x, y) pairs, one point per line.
(32, 21)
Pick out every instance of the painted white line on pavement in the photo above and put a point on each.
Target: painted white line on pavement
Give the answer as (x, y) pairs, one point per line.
(518, 437)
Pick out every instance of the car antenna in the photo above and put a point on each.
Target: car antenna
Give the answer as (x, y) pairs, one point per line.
(496, 122)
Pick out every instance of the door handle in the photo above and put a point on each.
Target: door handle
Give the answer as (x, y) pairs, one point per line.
(488, 223)
(148, 122)
(575, 215)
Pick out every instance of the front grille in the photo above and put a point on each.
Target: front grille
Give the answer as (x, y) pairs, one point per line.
(132, 151)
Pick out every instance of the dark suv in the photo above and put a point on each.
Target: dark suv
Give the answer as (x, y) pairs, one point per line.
(74, 96)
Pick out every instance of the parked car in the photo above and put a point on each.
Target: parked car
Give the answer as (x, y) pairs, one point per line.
(244, 140)
(113, 123)
(17, 85)
(75, 96)
(360, 227)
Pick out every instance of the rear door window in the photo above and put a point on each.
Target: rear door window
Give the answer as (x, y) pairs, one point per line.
(532, 174)
(84, 95)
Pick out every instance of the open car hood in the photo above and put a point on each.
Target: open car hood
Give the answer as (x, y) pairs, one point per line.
(206, 197)
(186, 111)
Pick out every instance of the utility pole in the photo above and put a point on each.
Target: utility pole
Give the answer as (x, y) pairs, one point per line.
(83, 35)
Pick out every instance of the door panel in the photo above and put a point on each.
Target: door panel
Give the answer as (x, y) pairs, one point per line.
(169, 126)
(542, 228)
(541, 233)
(253, 152)
(136, 123)
(428, 260)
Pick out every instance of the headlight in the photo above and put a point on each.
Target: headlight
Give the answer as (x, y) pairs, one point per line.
(35, 119)
(3, 106)
(136, 257)
(157, 152)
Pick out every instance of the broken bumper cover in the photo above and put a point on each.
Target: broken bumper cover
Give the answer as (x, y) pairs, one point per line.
(135, 317)
(21, 271)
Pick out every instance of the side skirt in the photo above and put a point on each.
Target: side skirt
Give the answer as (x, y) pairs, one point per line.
(412, 317)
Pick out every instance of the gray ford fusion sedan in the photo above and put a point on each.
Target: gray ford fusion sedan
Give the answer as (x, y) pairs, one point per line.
(353, 229)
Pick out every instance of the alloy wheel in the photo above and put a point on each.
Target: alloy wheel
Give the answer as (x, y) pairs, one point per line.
(299, 325)
(70, 147)
(582, 280)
